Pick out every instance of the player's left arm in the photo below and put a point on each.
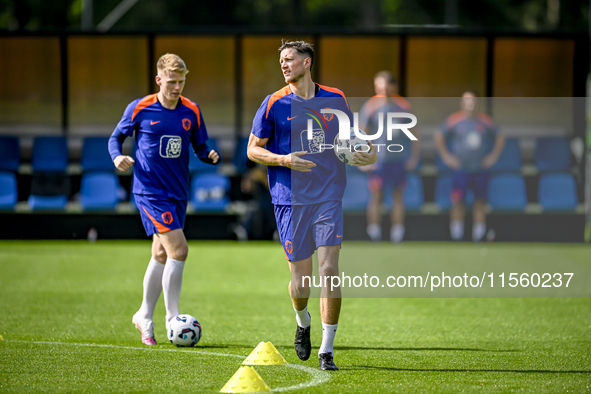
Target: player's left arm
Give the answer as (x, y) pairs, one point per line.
(490, 159)
(366, 158)
(205, 154)
(361, 159)
(198, 140)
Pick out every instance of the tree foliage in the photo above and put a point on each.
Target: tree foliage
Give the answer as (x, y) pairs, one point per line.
(528, 15)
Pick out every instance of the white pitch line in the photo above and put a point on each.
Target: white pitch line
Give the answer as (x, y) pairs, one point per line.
(318, 377)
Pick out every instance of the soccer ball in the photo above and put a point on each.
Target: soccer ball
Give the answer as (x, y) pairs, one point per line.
(184, 330)
(345, 149)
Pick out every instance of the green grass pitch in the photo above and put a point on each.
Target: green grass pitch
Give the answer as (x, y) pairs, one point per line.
(66, 308)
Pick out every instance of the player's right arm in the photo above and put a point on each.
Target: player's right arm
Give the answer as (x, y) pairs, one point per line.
(256, 152)
(122, 162)
(447, 157)
(450, 160)
(124, 129)
(263, 127)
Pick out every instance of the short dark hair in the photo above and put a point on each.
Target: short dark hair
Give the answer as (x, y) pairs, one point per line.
(388, 76)
(303, 48)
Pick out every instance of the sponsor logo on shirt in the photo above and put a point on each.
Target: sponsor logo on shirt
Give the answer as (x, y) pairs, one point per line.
(315, 144)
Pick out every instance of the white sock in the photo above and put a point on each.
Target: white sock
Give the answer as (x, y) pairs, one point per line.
(152, 289)
(328, 333)
(172, 281)
(375, 232)
(397, 233)
(456, 228)
(303, 317)
(478, 231)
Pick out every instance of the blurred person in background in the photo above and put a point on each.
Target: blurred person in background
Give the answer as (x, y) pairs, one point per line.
(388, 175)
(471, 135)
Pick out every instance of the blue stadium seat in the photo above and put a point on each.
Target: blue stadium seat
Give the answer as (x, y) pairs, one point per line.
(37, 202)
(8, 190)
(414, 196)
(98, 191)
(356, 194)
(209, 192)
(507, 192)
(443, 185)
(557, 192)
(50, 154)
(95, 154)
(510, 159)
(240, 158)
(552, 153)
(10, 153)
(196, 165)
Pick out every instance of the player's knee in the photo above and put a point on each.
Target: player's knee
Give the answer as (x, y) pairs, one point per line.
(328, 269)
(180, 253)
(300, 288)
(301, 282)
(159, 255)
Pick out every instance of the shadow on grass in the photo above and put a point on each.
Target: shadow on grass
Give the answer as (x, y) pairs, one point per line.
(368, 367)
(415, 349)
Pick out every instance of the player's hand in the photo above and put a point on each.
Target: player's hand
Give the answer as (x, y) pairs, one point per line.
(365, 158)
(214, 156)
(488, 161)
(452, 162)
(294, 162)
(122, 162)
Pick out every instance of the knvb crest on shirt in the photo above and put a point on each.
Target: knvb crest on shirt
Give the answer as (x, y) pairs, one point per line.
(167, 217)
(187, 124)
(170, 146)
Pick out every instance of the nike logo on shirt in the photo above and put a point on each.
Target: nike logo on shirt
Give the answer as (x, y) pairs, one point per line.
(153, 123)
(288, 118)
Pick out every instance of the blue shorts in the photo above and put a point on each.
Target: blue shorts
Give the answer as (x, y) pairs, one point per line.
(160, 214)
(477, 181)
(388, 176)
(303, 228)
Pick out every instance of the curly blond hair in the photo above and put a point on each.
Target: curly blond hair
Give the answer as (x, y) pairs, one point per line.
(171, 62)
